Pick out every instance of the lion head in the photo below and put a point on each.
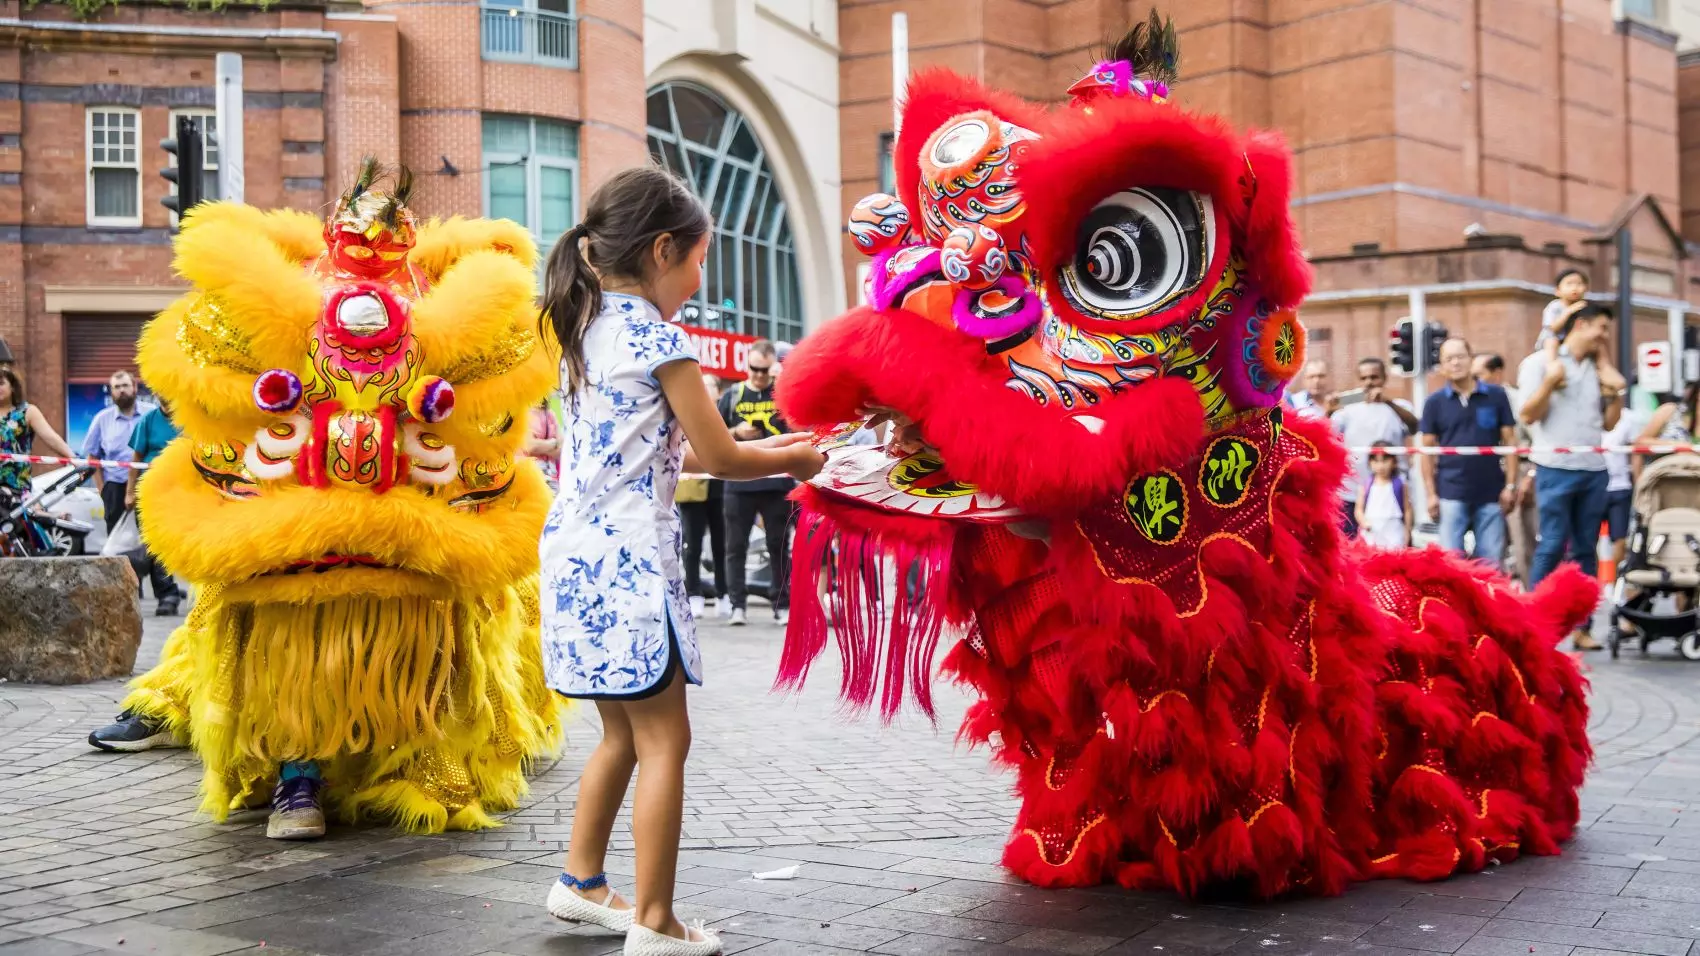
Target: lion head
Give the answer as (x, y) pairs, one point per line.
(352, 394)
(1062, 295)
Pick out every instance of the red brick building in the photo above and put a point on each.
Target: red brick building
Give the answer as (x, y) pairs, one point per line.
(554, 96)
(1466, 150)
(1460, 150)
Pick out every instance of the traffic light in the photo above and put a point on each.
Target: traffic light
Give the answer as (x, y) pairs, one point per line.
(190, 149)
(1401, 347)
(1434, 334)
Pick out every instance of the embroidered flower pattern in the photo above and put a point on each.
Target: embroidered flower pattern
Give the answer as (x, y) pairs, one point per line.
(612, 572)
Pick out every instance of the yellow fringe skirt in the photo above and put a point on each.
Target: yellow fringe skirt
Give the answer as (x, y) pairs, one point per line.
(423, 711)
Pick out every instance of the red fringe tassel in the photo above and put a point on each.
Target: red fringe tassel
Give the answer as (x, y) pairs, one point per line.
(841, 577)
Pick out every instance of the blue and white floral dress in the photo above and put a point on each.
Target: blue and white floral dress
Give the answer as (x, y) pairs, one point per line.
(613, 589)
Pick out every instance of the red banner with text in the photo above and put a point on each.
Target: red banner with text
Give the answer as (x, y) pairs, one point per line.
(725, 354)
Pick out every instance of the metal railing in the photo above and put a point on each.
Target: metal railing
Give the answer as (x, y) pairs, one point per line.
(530, 36)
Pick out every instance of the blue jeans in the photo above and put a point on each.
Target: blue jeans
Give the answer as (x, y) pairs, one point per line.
(1487, 521)
(1572, 504)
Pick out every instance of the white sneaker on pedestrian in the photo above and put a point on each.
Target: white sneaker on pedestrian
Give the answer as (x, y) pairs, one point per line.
(722, 607)
(564, 904)
(781, 616)
(643, 941)
(698, 606)
(738, 619)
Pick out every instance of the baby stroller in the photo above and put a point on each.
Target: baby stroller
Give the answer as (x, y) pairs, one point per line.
(1662, 565)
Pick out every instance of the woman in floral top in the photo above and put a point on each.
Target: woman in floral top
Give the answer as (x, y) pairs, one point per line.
(616, 621)
(20, 424)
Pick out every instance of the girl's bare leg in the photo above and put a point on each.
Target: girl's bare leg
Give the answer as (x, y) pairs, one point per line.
(661, 729)
(601, 790)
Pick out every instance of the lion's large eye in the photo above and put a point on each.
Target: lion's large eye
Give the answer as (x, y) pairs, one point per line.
(1138, 251)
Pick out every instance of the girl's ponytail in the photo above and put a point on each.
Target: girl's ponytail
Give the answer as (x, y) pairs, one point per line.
(626, 216)
(572, 294)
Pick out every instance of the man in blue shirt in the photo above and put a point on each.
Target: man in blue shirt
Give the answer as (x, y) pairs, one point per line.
(109, 439)
(1469, 492)
(150, 437)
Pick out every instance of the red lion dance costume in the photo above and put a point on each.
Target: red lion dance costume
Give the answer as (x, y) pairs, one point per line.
(1199, 682)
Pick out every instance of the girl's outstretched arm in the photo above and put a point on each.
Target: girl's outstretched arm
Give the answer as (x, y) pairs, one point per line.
(711, 446)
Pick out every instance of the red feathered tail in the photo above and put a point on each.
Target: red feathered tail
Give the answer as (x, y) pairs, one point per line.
(877, 583)
(1483, 722)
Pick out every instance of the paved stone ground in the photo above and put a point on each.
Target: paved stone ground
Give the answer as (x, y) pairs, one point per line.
(897, 831)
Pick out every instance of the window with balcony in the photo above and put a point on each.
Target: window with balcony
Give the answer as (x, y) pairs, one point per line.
(531, 31)
(114, 167)
(531, 174)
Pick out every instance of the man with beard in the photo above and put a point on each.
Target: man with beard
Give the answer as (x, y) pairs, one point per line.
(109, 439)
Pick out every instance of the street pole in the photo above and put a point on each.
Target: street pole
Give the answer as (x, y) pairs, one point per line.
(1676, 322)
(899, 70)
(1419, 349)
(1626, 304)
(228, 101)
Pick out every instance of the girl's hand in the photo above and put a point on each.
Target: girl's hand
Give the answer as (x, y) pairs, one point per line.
(782, 441)
(804, 461)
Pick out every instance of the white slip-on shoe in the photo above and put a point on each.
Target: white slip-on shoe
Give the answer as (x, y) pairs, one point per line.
(643, 941)
(564, 904)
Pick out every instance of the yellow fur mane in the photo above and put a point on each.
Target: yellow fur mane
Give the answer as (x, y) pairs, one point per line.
(413, 678)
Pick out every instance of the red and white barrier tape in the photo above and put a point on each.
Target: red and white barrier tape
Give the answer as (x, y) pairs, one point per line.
(1657, 448)
(1663, 448)
(75, 462)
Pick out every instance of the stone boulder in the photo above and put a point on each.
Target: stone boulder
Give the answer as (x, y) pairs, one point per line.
(68, 620)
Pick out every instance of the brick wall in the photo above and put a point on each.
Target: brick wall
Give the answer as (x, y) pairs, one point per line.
(399, 81)
(1538, 119)
(55, 77)
(446, 87)
(363, 102)
(1688, 143)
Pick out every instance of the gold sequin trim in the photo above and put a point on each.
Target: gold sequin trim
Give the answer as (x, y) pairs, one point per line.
(443, 780)
(506, 745)
(509, 351)
(209, 337)
(1045, 845)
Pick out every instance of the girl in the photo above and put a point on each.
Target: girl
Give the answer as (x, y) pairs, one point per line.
(616, 620)
(1384, 508)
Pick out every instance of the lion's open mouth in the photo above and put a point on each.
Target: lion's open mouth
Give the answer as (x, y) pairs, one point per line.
(328, 562)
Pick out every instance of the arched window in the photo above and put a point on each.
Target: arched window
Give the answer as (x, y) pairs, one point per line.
(751, 285)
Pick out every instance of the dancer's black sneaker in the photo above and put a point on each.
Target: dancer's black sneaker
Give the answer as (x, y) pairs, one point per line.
(131, 732)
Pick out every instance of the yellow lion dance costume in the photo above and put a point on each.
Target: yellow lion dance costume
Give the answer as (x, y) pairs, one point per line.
(346, 496)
